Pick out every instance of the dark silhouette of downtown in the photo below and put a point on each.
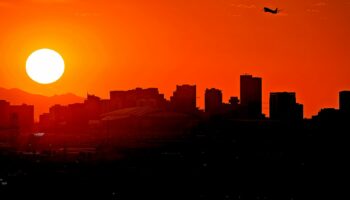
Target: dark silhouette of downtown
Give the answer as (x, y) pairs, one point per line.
(137, 144)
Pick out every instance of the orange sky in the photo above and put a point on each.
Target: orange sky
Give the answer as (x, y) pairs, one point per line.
(122, 44)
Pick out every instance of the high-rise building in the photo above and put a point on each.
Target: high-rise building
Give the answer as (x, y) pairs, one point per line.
(251, 96)
(93, 107)
(213, 101)
(299, 111)
(283, 106)
(184, 99)
(344, 101)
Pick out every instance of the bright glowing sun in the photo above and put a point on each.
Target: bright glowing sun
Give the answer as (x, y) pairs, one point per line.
(45, 66)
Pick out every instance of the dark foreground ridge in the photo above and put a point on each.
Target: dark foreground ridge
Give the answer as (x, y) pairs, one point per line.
(217, 159)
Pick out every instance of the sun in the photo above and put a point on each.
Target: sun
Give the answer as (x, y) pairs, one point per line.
(45, 66)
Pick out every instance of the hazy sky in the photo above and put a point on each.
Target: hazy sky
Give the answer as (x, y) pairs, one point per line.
(122, 44)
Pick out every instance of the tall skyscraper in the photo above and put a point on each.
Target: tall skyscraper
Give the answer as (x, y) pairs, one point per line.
(184, 99)
(283, 106)
(344, 101)
(251, 96)
(213, 101)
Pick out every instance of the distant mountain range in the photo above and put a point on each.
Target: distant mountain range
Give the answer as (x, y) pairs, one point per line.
(41, 103)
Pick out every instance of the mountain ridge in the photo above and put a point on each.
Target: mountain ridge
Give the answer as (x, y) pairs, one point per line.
(41, 103)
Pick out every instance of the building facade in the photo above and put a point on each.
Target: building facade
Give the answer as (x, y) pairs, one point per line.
(251, 96)
(283, 106)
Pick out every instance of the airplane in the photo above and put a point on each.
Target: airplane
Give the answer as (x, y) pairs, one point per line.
(266, 9)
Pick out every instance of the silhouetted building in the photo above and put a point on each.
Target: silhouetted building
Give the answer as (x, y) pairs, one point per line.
(344, 101)
(21, 116)
(58, 114)
(328, 115)
(184, 99)
(4, 113)
(283, 106)
(45, 121)
(106, 105)
(234, 101)
(251, 96)
(299, 111)
(93, 107)
(77, 114)
(90, 111)
(213, 101)
(137, 97)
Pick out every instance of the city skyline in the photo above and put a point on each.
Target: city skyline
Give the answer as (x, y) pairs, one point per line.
(201, 98)
(282, 105)
(181, 99)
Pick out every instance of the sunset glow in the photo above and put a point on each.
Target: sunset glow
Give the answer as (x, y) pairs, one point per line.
(128, 44)
(174, 99)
